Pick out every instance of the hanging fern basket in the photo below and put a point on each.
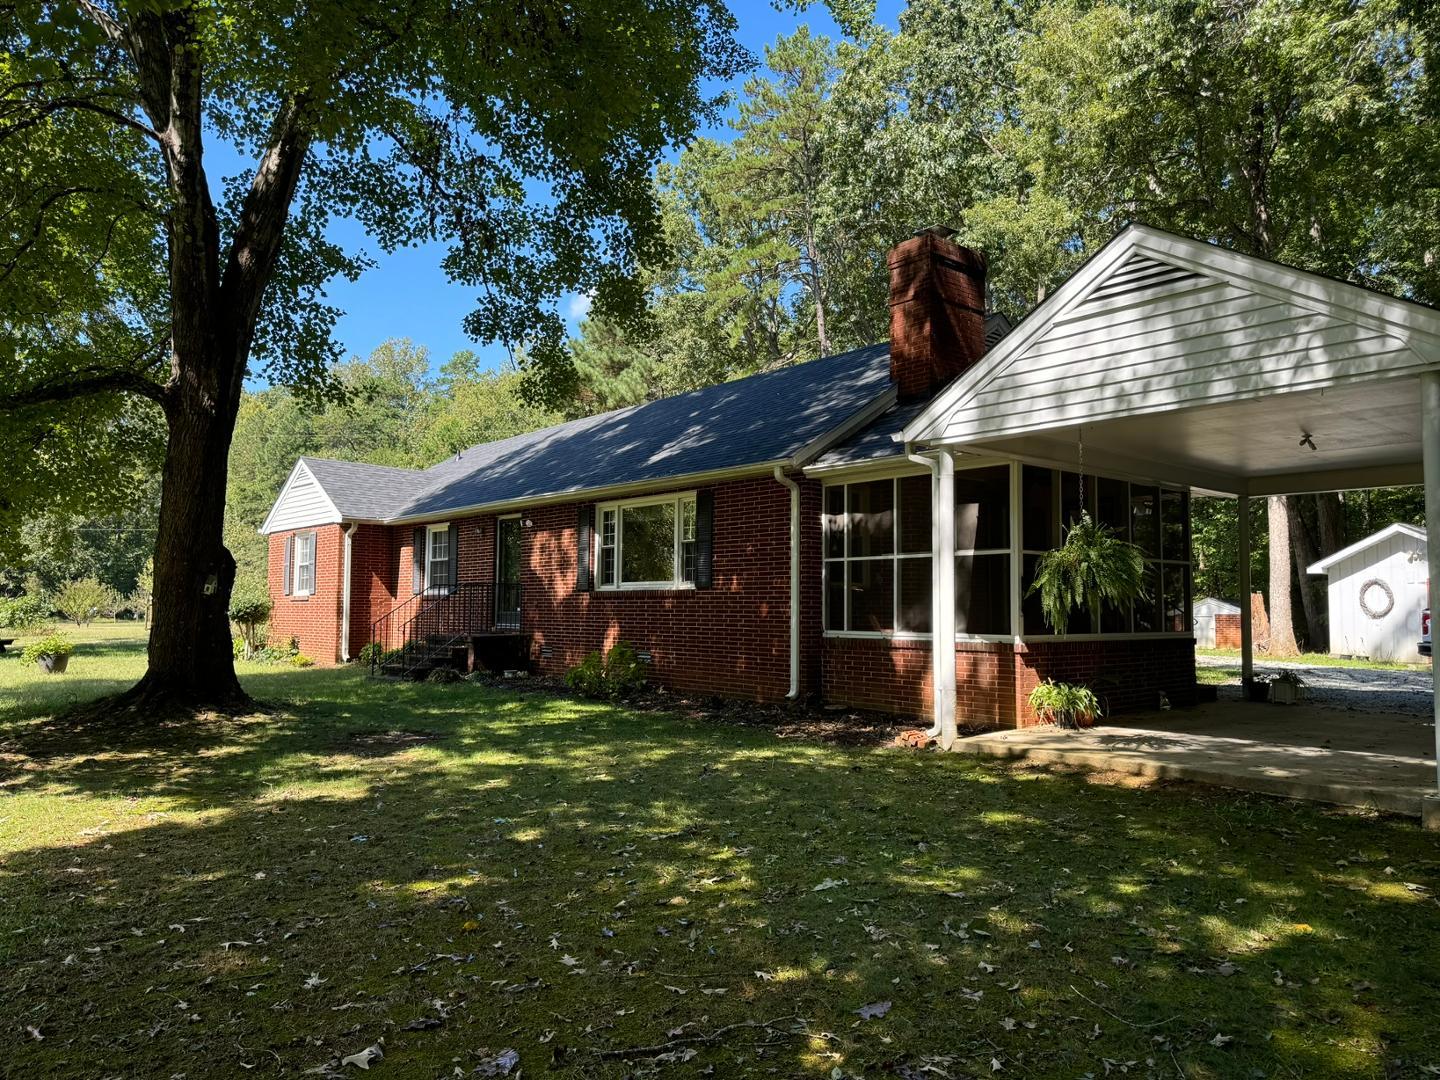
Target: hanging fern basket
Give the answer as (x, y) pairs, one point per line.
(1092, 568)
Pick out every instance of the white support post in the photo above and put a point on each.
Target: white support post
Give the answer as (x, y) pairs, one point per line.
(1247, 630)
(942, 624)
(1430, 449)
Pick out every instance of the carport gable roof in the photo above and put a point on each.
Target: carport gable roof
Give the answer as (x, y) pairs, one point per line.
(1400, 528)
(1156, 322)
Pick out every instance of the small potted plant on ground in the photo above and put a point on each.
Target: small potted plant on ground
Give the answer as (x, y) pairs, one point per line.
(1287, 688)
(51, 653)
(1065, 705)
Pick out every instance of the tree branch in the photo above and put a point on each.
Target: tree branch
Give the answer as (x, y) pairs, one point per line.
(81, 385)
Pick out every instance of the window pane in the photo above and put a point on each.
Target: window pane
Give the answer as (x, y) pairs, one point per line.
(834, 522)
(872, 517)
(872, 594)
(647, 543)
(607, 547)
(915, 594)
(982, 508)
(607, 566)
(1173, 507)
(834, 596)
(915, 515)
(1114, 620)
(1176, 585)
(982, 594)
(1037, 494)
(1147, 609)
(1144, 519)
(440, 544)
(1112, 505)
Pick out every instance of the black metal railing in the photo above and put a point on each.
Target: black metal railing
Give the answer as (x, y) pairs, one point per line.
(429, 626)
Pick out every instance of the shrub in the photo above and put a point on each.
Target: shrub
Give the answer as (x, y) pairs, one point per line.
(81, 601)
(444, 675)
(50, 645)
(250, 610)
(299, 659)
(372, 653)
(616, 675)
(22, 612)
(1065, 704)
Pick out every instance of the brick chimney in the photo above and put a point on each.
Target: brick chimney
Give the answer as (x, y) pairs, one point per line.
(937, 311)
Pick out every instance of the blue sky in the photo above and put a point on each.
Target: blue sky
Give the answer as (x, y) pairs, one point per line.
(406, 295)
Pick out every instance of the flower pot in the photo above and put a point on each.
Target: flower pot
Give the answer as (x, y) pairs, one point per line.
(1256, 690)
(1285, 693)
(53, 665)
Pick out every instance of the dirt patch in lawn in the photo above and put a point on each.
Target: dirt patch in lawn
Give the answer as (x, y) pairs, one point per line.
(809, 721)
(379, 743)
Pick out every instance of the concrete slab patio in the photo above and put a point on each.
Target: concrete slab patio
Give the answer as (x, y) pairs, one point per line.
(1382, 761)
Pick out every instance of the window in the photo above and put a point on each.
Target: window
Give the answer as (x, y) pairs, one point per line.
(304, 584)
(648, 543)
(440, 560)
(878, 568)
(1155, 519)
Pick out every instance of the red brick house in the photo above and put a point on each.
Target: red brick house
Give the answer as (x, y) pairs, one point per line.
(776, 536)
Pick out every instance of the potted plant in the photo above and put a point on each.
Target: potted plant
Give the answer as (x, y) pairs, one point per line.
(1064, 704)
(51, 653)
(1257, 688)
(1287, 688)
(1092, 567)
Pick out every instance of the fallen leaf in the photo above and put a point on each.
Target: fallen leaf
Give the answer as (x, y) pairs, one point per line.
(499, 1064)
(873, 1011)
(830, 883)
(365, 1058)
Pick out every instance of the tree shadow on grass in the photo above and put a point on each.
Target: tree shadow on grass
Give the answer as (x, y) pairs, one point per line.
(571, 879)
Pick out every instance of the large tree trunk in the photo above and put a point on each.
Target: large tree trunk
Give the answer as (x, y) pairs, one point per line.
(1314, 536)
(1282, 623)
(191, 659)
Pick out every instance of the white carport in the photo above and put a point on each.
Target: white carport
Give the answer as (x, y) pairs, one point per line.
(1172, 358)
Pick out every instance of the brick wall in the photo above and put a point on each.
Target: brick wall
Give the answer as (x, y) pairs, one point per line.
(993, 680)
(314, 620)
(1128, 674)
(1227, 631)
(732, 639)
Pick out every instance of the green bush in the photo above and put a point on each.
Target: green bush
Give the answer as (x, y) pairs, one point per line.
(250, 608)
(616, 675)
(50, 645)
(1065, 704)
(85, 599)
(299, 659)
(22, 613)
(444, 675)
(373, 653)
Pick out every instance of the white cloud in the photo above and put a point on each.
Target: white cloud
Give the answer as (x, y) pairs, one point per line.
(578, 306)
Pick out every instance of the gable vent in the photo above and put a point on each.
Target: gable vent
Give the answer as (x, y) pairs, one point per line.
(1140, 273)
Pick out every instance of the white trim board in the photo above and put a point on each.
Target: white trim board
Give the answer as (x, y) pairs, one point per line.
(1414, 532)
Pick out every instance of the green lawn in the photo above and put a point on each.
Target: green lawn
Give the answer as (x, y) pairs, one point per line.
(1317, 659)
(582, 882)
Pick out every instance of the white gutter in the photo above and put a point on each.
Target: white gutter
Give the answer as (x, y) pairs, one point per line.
(345, 596)
(781, 478)
(934, 467)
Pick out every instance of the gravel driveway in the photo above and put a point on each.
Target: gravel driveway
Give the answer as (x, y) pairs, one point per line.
(1359, 689)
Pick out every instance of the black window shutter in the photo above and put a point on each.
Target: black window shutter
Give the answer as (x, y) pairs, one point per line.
(583, 548)
(454, 556)
(704, 539)
(289, 563)
(418, 561)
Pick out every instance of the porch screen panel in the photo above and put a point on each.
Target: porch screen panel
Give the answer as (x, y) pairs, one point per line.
(648, 549)
(876, 541)
(982, 550)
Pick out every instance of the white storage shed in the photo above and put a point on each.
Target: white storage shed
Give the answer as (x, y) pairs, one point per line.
(1204, 619)
(1378, 587)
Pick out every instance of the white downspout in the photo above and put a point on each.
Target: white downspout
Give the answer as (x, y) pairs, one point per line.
(934, 466)
(781, 478)
(345, 597)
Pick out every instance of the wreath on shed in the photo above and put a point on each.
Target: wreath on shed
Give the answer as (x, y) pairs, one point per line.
(1376, 583)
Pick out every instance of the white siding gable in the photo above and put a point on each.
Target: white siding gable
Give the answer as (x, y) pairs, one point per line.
(1156, 322)
(302, 503)
(1398, 560)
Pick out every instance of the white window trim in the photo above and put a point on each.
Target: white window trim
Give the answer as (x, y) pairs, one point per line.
(295, 589)
(677, 583)
(430, 531)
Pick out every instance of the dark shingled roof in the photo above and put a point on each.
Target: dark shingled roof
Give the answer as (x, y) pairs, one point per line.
(364, 492)
(752, 421)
